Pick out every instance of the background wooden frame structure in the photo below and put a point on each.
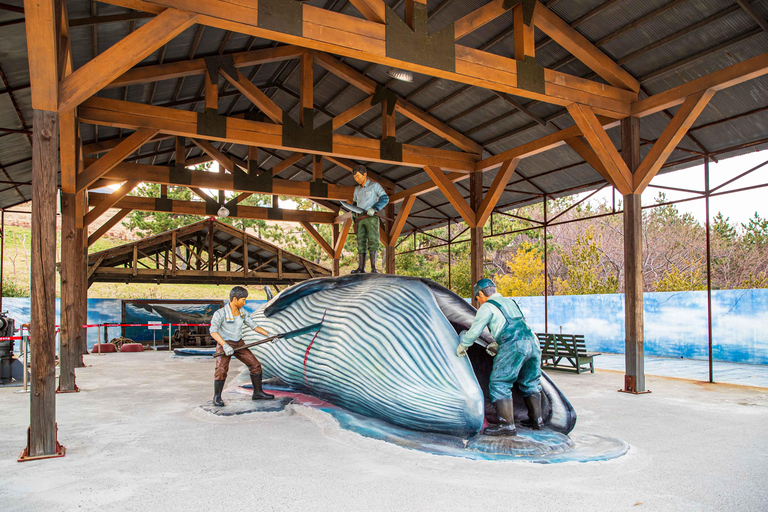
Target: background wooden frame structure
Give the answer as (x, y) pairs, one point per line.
(63, 98)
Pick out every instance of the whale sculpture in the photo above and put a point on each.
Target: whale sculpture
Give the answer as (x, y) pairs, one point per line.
(387, 349)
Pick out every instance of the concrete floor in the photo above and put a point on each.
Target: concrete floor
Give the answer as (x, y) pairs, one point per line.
(755, 375)
(137, 440)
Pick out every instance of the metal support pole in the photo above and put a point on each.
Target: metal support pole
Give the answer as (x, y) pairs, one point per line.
(449, 254)
(709, 268)
(25, 347)
(169, 338)
(546, 281)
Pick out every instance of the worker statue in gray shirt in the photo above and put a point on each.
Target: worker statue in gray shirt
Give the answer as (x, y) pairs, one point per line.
(227, 330)
(369, 197)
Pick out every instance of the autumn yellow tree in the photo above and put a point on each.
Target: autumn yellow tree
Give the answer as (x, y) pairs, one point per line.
(586, 274)
(526, 273)
(687, 276)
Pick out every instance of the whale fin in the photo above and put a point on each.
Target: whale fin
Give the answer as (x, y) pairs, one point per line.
(268, 292)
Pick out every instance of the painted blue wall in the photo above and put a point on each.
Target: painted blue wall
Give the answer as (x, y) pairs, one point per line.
(675, 322)
(100, 311)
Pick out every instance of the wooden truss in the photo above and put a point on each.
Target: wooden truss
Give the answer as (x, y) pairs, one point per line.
(206, 252)
(311, 35)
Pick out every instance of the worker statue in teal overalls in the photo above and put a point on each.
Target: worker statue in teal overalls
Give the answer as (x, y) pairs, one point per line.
(369, 197)
(517, 357)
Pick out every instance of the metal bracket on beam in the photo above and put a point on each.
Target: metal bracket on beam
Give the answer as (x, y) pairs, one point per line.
(211, 124)
(163, 204)
(286, 16)
(254, 181)
(180, 175)
(390, 149)
(418, 46)
(384, 94)
(217, 62)
(307, 136)
(530, 76)
(318, 188)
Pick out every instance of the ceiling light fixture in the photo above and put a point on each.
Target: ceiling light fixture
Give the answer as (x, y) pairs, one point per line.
(400, 74)
(223, 211)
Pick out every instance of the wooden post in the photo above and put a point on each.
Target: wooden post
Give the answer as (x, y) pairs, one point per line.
(307, 84)
(81, 291)
(634, 379)
(336, 261)
(42, 429)
(317, 167)
(69, 348)
(389, 250)
(476, 253)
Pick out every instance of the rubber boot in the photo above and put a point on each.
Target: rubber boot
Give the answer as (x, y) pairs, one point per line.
(258, 393)
(533, 404)
(374, 255)
(218, 387)
(360, 264)
(506, 426)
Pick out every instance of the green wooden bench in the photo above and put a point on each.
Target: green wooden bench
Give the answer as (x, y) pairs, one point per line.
(566, 352)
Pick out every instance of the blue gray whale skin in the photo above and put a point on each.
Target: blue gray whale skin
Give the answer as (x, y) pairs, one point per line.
(387, 349)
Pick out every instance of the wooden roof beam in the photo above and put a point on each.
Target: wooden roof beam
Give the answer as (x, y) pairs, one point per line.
(147, 204)
(338, 247)
(220, 181)
(122, 114)
(479, 17)
(402, 216)
(108, 162)
(446, 187)
(317, 237)
(582, 48)
(373, 10)
(192, 67)
(94, 75)
(112, 222)
(717, 81)
(254, 95)
(222, 159)
(491, 198)
(670, 137)
(407, 109)
(108, 201)
(603, 146)
(42, 44)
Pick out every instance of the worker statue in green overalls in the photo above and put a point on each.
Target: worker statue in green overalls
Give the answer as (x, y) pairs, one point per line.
(517, 357)
(369, 197)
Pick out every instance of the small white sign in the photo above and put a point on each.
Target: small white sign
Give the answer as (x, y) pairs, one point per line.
(155, 325)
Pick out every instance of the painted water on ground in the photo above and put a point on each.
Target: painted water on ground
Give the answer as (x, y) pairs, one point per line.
(544, 446)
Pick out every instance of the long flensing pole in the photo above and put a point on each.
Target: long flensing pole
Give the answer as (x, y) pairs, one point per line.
(709, 268)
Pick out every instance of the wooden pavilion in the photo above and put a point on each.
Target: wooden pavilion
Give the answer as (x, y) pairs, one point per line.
(511, 103)
(205, 252)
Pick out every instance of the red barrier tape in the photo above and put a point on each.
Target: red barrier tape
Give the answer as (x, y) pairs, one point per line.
(146, 325)
(9, 338)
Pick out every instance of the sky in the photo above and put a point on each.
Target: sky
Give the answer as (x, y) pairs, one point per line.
(738, 207)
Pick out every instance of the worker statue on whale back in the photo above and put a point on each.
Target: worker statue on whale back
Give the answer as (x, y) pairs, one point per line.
(369, 198)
